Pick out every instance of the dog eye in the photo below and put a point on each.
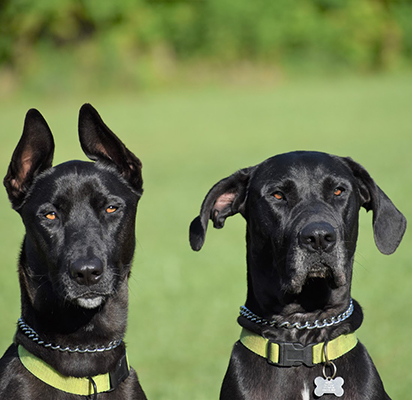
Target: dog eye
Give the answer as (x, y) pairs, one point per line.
(278, 195)
(51, 216)
(111, 209)
(338, 191)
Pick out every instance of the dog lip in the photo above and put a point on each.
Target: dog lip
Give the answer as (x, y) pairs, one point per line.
(319, 271)
(316, 274)
(326, 273)
(89, 301)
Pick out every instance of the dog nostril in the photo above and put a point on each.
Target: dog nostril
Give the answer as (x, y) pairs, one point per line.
(318, 236)
(86, 272)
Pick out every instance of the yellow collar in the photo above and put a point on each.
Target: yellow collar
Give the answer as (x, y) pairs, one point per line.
(70, 384)
(295, 354)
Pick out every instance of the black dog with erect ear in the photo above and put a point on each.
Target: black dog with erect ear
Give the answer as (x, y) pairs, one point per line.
(74, 265)
(298, 336)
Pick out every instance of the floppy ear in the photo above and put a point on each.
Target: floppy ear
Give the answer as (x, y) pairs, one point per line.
(389, 224)
(33, 155)
(226, 198)
(99, 143)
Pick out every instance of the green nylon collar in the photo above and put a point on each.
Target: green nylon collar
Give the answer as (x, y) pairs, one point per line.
(69, 384)
(279, 354)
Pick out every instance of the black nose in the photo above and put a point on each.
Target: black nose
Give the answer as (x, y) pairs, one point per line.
(86, 272)
(318, 236)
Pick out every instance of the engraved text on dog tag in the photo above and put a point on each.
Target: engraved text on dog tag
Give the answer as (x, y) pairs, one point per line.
(329, 386)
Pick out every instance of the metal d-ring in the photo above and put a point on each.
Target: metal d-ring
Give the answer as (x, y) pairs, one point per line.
(328, 363)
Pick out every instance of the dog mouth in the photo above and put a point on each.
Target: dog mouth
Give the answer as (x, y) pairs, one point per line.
(83, 296)
(312, 287)
(320, 271)
(90, 301)
(302, 267)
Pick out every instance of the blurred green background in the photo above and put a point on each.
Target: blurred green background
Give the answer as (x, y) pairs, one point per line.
(199, 89)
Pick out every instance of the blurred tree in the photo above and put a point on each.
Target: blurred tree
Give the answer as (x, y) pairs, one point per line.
(141, 40)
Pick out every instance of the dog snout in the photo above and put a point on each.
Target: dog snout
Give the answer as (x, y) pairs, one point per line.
(318, 237)
(86, 272)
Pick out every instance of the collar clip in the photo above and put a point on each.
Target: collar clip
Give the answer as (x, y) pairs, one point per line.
(291, 354)
(120, 373)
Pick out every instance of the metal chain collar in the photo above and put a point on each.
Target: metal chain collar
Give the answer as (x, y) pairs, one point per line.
(246, 313)
(32, 334)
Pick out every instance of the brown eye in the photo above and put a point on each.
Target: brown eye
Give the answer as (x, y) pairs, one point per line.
(337, 191)
(111, 209)
(278, 195)
(51, 216)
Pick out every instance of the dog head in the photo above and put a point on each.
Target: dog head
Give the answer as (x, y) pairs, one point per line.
(302, 211)
(79, 216)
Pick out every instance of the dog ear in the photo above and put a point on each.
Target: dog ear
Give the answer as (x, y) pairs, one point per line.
(225, 198)
(33, 155)
(389, 224)
(99, 143)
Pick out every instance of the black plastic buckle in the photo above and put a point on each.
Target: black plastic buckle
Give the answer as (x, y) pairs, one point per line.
(120, 373)
(291, 354)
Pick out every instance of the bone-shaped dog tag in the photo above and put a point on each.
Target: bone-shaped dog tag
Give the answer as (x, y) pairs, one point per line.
(329, 386)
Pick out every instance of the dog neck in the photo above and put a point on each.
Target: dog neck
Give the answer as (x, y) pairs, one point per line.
(334, 320)
(32, 334)
(271, 296)
(71, 327)
(302, 329)
(87, 386)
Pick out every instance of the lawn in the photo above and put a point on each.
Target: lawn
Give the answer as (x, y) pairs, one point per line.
(184, 305)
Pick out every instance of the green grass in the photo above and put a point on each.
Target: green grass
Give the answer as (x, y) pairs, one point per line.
(183, 305)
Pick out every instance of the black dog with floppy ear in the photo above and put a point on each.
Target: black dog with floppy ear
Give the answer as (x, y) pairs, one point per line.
(227, 197)
(301, 210)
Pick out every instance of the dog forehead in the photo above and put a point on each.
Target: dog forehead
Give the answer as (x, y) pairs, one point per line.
(76, 179)
(302, 167)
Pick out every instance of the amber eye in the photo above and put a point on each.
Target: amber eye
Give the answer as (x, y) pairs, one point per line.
(111, 209)
(278, 195)
(51, 216)
(337, 191)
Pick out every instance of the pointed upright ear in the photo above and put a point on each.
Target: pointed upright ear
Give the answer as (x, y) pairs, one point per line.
(99, 143)
(226, 198)
(33, 155)
(389, 224)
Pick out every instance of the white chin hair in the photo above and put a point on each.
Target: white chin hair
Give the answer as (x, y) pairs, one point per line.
(90, 303)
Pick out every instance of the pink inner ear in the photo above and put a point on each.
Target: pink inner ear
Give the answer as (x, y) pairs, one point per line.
(25, 166)
(15, 185)
(224, 200)
(99, 148)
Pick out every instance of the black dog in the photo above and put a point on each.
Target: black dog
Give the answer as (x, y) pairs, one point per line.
(301, 210)
(74, 265)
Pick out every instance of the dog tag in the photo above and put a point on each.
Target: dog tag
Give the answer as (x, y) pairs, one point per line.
(329, 386)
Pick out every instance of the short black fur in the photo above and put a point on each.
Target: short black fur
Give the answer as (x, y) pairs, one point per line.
(301, 210)
(76, 255)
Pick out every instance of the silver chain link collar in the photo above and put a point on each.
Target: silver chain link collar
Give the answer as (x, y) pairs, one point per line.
(32, 334)
(246, 313)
